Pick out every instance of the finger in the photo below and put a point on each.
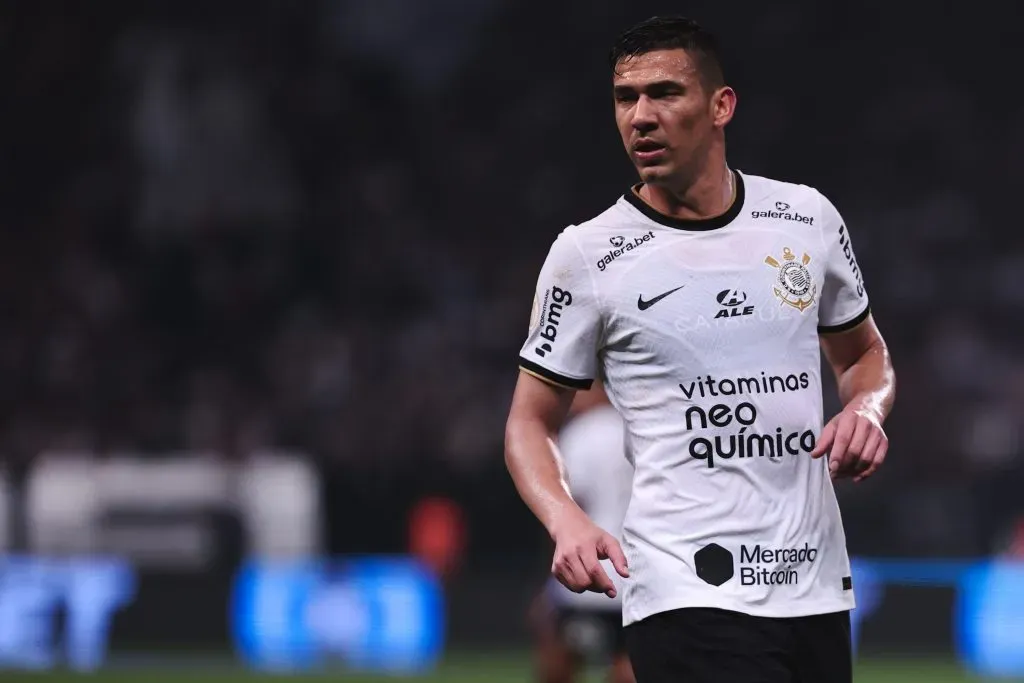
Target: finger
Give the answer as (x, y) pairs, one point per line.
(609, 549)
(599, 581)
(857, 449)
(874, 454)
(859, 469)
(825, 440)
(853, 461)
(581, 575)
(837, 455)
(883, 450)
(564, 577)
(570, 573)
(870, 452)
(877, 460)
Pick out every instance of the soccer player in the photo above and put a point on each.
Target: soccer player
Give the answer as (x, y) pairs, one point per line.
(573, 628)
(704, 298)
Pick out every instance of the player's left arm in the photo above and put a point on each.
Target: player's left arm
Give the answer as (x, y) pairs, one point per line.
(854, 439)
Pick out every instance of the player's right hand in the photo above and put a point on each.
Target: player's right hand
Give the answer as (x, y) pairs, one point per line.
(579, 546)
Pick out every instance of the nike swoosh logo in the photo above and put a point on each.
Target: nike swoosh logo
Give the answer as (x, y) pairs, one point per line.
(644, 305)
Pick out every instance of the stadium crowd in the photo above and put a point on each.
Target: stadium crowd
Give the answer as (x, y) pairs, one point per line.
(313, 227)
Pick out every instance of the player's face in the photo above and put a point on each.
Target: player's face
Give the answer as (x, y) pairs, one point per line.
(665, 115)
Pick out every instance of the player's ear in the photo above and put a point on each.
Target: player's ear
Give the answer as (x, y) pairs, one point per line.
(723, 106)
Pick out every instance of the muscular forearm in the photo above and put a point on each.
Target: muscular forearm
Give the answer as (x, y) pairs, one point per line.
(870, 383)
(531, 460)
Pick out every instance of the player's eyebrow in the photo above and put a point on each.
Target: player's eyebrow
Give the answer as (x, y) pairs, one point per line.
(654, 87)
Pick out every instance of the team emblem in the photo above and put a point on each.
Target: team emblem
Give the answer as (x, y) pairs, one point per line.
(793, 285)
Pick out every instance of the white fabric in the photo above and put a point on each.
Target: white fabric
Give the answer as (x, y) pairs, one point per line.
(719, 385)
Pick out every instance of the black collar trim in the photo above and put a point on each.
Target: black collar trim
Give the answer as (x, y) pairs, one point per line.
(711, 223)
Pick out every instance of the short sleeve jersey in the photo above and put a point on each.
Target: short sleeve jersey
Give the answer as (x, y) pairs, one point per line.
(706, 336)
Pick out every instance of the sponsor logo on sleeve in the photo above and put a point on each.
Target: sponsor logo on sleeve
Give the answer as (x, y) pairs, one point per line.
(556, 300)
(851, 260)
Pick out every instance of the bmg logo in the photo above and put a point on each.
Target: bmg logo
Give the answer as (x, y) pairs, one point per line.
(552, 316)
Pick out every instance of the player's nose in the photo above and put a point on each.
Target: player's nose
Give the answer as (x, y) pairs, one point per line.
(644, 118)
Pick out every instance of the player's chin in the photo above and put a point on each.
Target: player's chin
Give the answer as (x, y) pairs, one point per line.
(653, 174)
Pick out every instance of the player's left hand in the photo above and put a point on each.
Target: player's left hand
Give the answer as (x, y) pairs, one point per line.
(855, 443)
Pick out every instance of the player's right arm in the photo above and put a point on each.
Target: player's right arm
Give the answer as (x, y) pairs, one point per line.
(538, 411)
(559, 356)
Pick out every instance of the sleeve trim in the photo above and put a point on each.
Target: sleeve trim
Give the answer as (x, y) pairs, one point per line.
(848, 325)
(542, 373)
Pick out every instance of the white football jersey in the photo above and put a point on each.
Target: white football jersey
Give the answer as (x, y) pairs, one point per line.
(705, 333)
(592, 450)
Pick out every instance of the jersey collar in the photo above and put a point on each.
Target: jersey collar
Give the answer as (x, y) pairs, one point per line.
(712, 223)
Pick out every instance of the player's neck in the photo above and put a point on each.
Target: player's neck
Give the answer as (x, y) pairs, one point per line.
(709, 194)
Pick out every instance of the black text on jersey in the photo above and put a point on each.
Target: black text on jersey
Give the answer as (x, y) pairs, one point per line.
(551, 314)
(732, 301)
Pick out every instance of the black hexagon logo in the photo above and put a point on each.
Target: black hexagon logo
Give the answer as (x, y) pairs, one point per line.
(714, 564)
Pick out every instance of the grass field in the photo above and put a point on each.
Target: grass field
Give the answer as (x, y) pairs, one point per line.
(472, 669)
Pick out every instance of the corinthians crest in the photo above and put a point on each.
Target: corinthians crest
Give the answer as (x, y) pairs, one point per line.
(793, 285)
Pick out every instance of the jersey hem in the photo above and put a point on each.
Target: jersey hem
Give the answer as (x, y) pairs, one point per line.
(787, 612)
(552, 377)
(848, 325)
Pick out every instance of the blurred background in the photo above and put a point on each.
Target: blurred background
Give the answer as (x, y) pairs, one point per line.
(265, 268)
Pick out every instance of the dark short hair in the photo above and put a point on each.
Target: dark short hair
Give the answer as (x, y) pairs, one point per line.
(672, 33)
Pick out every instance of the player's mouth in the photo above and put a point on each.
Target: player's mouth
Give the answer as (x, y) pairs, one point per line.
(647, 150)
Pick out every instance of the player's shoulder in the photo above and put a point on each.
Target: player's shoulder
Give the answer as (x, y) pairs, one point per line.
(613, 228)
(768, 196)
(617, 234)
